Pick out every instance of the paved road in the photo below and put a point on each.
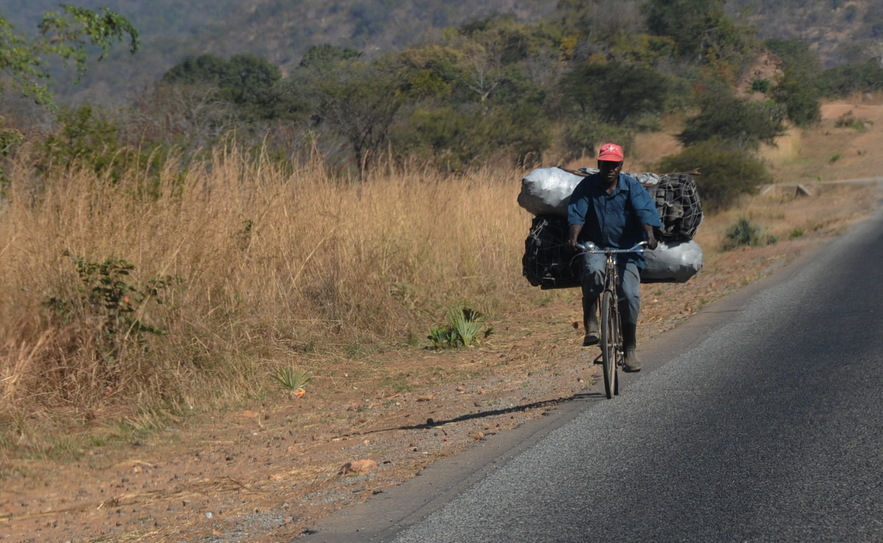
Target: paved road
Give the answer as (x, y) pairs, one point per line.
(761, 420)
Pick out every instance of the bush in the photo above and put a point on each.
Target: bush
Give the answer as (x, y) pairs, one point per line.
(463, 329)
(743, 233)
(742, 124)
(844, 80)
(724, 173)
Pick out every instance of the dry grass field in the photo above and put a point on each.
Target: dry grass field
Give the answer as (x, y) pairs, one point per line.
(111, 431)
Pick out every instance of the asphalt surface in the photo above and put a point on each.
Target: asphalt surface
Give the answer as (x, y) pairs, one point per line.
(760, 420)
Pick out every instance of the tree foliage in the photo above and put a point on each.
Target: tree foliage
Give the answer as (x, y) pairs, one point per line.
(726, 173)
(358, 100)
(741, 124)
(701, 31)
(247, 81)
(617, 92)
(67, 34)
(843, 80)
(798, 89)
(492, 90)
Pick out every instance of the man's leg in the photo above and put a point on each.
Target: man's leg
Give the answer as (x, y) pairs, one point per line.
(629, 308)
(592, 279)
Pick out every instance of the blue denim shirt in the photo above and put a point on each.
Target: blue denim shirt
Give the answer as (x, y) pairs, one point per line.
(613, 220)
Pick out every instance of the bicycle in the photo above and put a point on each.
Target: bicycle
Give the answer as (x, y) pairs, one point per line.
(612, 354)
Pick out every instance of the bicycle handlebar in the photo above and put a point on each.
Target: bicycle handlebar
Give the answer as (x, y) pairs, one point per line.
(590, 247)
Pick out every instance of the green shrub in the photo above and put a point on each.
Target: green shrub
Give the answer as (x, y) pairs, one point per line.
(743, 233)
(464, 328)
(107, 295)
(291, 379)
(724, 173)
(761, 85)
(848, 120)
(739, 123)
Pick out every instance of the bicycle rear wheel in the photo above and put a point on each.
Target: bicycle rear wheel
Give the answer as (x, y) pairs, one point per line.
(608, 343)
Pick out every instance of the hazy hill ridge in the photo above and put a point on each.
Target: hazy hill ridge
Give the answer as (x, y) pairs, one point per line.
(281, 30)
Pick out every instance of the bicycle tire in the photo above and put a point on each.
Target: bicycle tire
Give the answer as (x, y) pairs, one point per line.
(608, 343)
(617, 349)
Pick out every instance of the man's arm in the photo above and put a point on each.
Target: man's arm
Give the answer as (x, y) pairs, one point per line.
(647, 214)
(651, 236)
(573, 234)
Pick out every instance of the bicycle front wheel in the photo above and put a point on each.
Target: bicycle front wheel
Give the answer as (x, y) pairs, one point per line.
(608, 343)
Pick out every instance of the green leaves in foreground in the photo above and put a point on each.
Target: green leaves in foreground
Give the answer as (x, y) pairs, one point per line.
(109, 297)
(291, 379)
(744, 233)
(464, 328)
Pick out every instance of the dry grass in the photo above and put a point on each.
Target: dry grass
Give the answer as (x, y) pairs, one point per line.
(274, 267)
(277, 269)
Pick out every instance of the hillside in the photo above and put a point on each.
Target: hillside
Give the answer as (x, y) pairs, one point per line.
(835, 29)
(277, 30)
(281, 31)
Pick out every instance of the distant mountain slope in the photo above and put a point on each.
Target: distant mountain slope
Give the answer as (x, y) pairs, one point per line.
(278, 30)
(836, 29)
(281, 30)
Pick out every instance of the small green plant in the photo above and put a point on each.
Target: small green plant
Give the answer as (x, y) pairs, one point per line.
(761, 85)
(834, 158)
(107, 291)
(796, 233)
(292, 379)
(848, 120)
(743, 233)
(398, 383)
(464, 328)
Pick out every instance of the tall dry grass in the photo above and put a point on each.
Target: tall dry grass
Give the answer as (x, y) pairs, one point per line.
(274, 267)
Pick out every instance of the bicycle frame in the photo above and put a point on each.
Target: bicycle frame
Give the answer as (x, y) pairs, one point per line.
(612, 353)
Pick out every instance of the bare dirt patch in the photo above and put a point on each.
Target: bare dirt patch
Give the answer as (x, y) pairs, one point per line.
(835, 149)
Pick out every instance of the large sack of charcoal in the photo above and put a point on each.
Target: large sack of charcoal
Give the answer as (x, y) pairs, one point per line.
(546, 191)
(678, 204)
(672, 262)
(549, 264)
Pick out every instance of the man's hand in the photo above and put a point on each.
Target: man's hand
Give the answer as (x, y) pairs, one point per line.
(651, 237)
(571, 244)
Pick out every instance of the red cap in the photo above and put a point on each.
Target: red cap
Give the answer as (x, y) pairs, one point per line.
(610, 152)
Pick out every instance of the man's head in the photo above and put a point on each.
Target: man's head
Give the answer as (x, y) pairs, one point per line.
(610, 161)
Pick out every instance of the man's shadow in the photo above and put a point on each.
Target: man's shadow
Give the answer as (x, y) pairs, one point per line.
(432, 423)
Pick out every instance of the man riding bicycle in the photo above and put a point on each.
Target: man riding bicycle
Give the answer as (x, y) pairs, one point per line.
(612, 210)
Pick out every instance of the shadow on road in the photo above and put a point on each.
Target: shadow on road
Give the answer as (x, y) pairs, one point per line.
(432, 423)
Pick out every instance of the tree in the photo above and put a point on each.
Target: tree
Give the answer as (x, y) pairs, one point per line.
(740, 124)
(798, 90)
(726, 173)
(67, 35)
(326, 55)
(478, 94)
(617, 93)
(702, 32)
(247, 81)
(357, 100)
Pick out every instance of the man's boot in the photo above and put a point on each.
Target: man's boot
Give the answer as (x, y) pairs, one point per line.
(629, 342)
(591, 323)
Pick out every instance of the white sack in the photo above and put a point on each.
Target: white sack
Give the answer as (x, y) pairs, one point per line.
(673, 262)
(546, 191)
